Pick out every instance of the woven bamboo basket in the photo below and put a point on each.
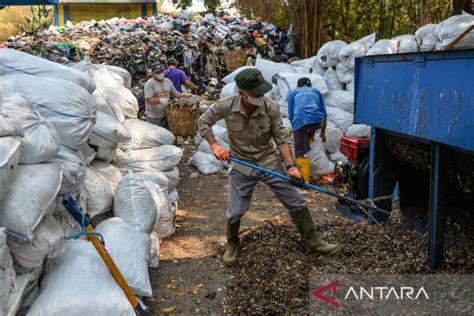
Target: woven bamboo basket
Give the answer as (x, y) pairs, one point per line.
(234, 59)
(182, 121)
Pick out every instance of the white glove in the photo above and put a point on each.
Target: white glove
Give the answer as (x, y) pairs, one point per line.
(164, 101)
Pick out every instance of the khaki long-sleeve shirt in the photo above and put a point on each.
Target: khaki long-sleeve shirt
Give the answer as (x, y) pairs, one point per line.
(254, 139)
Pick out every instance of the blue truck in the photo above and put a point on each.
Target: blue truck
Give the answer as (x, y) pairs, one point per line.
(421, 110)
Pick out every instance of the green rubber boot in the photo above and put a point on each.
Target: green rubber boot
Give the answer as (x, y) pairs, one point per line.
(232, 246)
(305, 226)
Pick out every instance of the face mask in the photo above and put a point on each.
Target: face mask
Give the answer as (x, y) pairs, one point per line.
(160, 76)
(255, 101)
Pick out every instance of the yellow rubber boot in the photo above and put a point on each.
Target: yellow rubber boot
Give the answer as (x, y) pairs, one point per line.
(304, 168)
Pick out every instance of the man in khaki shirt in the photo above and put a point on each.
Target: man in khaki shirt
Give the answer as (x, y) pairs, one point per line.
(256, 135)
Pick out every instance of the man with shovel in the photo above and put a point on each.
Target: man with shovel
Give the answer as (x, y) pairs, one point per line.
(257, 135)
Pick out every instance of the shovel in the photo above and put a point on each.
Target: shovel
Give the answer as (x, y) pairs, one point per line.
(362, 204)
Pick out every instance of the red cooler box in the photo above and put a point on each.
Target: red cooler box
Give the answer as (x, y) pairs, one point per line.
(355, 148)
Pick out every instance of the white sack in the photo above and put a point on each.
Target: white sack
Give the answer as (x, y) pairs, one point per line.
(146, 135)
(220, 132)
(10, 153)
(206, 163)
(448, 30)
(340, 99)
(41, 141)
(73, 166)
(383, 47)
(168, 179)
(70, 280)
(15, 62)
(270, 68)
(68, 107)
(333, 139)
(229, 90)
(130, 251)
(164, 226)
(344, 74)
(122, 74)
(231, 77)
(340, 118)
(48, 242)
(154, 251)
(338, 156)
(115, 94)
(426, 37)
(7, 273)
(359, 130)
(350, 86)
(328, 53)
(8, 127)
(319, 162)
(355, 49)
(100, 194)
(88, 153)
(162, 158)
(406, 43)
(32, 191)
(331, 80)
(112, 174)
(134, 203)
(288, 82)
(106, 134)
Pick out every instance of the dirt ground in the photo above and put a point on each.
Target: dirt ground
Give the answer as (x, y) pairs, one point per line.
(192, 280)
(191, 277)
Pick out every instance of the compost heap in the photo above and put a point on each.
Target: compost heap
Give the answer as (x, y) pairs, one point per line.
(332, 72)
(198, 44)
(73, 131)
(274, 267)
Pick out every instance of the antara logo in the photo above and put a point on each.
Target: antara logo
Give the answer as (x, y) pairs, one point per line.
(370, 293)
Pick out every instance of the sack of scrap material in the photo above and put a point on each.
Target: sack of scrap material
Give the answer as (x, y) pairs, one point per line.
(448, 30)
(7, 273)
(135, 204)
(349, 53)
(164, 226)
(15, 62)
(32, 192)
(130, 250)
(100, 192)
(79, 283)
(340, 99)
(106, 134)
(333, 139)
(121, 75)
(344, 74)
(229, 90)
(383, 47)
(145, 135)
(289, 81)
(340, 118)
(426, 37)
(110, 172)
(332, 82)
(167, 179)
(270, 68)
(329, 52)
(206, 163)
(41, 141)
(48, 242)
(406, 43)
(68, 107)
(161, 158)
(319, 162)
(230, 77)
(73, 166)
(10, 152)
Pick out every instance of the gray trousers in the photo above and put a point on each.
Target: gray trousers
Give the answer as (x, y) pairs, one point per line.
(241, 189)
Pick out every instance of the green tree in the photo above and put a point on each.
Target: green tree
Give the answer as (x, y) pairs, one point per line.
(39, 19)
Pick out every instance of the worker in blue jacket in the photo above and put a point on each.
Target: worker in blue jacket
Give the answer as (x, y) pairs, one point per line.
(307, 113)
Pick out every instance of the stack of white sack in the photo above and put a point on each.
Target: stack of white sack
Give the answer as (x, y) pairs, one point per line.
(48, 127)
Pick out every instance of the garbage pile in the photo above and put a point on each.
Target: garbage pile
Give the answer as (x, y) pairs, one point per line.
(273, 271)
(198, 43)
(332, 72)
(73, 130)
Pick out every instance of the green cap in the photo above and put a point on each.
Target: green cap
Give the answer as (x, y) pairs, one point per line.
(252, 80)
